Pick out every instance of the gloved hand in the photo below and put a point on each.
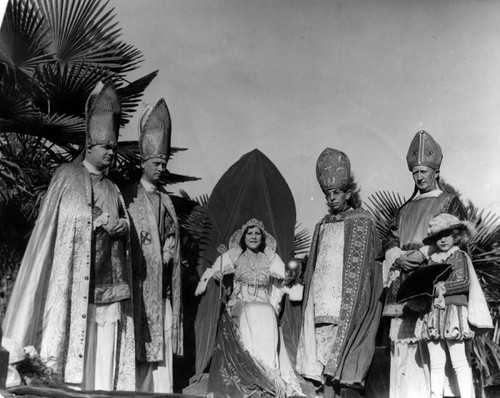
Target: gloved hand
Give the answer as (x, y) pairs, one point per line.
(410, 260)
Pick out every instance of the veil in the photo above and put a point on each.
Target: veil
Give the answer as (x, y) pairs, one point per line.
(234, 242)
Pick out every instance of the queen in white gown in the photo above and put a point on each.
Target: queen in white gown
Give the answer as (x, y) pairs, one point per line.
(254, 303)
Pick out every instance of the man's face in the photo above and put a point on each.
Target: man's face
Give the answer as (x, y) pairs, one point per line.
(100, 156)
(337, 200)
(153, 169)
(425, 178)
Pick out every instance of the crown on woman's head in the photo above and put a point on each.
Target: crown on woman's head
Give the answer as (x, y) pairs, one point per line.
(253, 222)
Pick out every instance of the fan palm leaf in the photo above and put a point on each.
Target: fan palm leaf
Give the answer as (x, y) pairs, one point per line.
(86, 31)
(302, 240)
(15, 104)
(36, 161)
(65, 89)
(487, 228)
(9, 172)
(53, 53)
(485, 250)
(173, 178)
(60, 129)
(24, 38)
(130, 94)
(193, 222)
(21, 117)
(384, 206)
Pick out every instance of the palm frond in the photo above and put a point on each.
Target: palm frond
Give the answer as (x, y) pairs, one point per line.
(487, 227)
(487, 359)
(485, 251)
(36, 159)
(302, 240)
(172, 178)
(9, 172)
(52, 54)
(127, 165)
(14, 103)
(202, 200)
(130, 95)
(194, 225)
(60, 129)
(133, 145)
(24, 37)
(384, 206)
(446, 187)
(86, 31)
(65, 89)
(194, 219)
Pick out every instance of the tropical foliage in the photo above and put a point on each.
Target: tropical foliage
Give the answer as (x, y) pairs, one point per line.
(52, 54)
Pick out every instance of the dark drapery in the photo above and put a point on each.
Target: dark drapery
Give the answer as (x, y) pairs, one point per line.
(251, 188)
(233, 372)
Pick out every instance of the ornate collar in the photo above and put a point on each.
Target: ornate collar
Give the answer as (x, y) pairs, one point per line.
(340, 216)
(441, 257)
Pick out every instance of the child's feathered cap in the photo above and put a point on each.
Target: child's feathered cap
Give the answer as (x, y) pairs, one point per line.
(445, 222)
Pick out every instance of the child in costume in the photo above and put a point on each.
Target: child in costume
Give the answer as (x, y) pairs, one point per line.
(458, 307)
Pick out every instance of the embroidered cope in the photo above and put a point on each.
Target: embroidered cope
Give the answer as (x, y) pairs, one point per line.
(343, 351)
(49, 306)
(155, 241)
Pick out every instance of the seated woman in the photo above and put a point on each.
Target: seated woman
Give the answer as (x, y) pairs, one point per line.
(254, 303)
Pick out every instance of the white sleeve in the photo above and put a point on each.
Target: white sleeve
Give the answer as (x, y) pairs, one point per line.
(277, 268)
(427, 251)
(391, 256)
(168, 249)
(277, 293)
(224, 262)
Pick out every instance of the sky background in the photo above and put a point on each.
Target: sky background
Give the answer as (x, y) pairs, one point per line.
(294, 77)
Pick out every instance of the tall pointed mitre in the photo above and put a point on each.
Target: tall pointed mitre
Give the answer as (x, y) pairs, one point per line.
(155, 130)
(333, 170)
(424, 151)
(102, 115)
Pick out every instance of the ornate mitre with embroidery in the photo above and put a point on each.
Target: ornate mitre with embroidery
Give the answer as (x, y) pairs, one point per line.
(424, 151)
(333, 170)
(102, 115)
(155, 129)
